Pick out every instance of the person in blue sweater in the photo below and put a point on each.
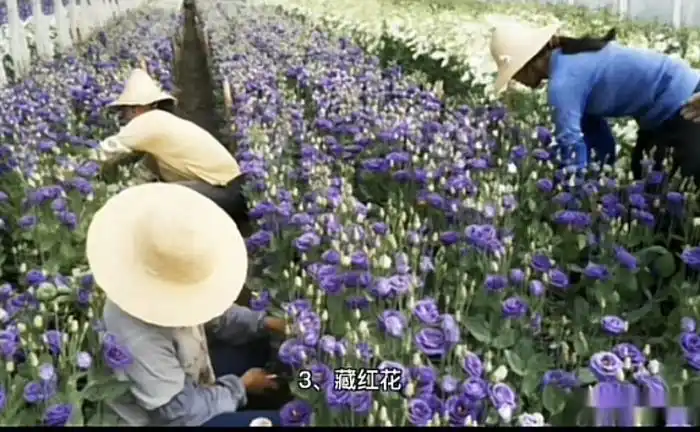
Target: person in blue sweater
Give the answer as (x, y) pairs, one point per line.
(591, 79)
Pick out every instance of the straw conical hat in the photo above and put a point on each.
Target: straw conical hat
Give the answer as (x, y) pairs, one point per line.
(141, 89)
(167, 255)
(513, 45)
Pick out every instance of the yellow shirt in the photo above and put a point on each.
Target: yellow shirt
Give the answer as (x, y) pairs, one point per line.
(183, 150)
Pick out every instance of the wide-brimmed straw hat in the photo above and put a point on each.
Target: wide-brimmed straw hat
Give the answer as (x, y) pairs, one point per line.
(167, 255)
(513, 44)
(140, 89)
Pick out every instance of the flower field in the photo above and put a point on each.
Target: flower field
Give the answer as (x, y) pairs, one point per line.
(403, 226)
(53, 357)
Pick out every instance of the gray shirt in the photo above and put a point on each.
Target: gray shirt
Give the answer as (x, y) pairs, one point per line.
(157, 375)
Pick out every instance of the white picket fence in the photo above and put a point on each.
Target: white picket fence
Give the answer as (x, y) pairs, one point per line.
(678, 13)
(68, 23)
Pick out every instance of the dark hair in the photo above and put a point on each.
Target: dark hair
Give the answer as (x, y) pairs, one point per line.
(570, 46)
(165, 105)
(588, 43)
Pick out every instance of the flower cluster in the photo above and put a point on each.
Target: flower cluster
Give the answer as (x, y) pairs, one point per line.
(58, 364)
(404, 232)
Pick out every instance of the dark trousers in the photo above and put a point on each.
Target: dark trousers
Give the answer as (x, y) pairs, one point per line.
(678, 140)
(229, 197)
(230, 359)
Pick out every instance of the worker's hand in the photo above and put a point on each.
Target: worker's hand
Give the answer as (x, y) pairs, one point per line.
(691, 109)
(276, 325)
(256, 380)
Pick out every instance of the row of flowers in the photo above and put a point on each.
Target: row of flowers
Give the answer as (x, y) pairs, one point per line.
(449, 247)
(449, 40)
(57, 362)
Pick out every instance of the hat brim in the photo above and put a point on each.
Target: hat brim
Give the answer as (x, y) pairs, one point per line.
(111, 253)
(126, 103)
(507, 73)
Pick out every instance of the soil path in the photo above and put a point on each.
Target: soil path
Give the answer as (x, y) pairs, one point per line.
(193, 79)
(195, 89)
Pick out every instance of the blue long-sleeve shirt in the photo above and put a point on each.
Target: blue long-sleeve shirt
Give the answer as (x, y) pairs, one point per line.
(586, 88)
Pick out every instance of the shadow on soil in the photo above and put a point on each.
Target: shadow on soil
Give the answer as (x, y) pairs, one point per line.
(195, 85)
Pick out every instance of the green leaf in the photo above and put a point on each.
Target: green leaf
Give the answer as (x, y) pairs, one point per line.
(477, 328)
(505, 339)
(554, 399)
(585, 376)
(637, 315)
(530, 384)
(538, 363)
(581, 309)
(581, 345)
(659, 260)
(105, 389)
(515, 363)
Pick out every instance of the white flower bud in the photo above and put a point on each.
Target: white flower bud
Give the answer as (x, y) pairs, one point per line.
(33, 360)
(499, 374)
(654, 367)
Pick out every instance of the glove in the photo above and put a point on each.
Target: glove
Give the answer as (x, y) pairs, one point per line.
(691, 109)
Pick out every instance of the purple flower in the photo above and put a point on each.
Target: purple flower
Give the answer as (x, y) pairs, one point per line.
(419, 412)
(307, 241)
(514, 307)
(293, 353)
(693, 361)
(596, 272)
(495, 283)
(691, 257)
(537, 288)
(475, 389)
(47, 372)
(690, 343)
(517, 276)
(58, 415)
(688, 324)
(391, 366)
(424, 375)
(541, 263)
(336, 398)
(605, 365)
(38, 392)
(472, 365)
(54, 341)
(83, 360)
(558, 279)
(560, 378)
(654, 391)
(431, 342)
(3, 399)
(360, 402)
(449, 384)
(393, 323)
(450, 328)
(613, 325)
(459, 409)
(321, 374)
(502, 395)
(545, 185)
(625, 259)
(116, 356)
(296, 413)
(627, 350)
(427, 312)
(391, 287)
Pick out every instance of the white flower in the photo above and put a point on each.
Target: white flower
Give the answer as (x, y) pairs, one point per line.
(531, 420)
